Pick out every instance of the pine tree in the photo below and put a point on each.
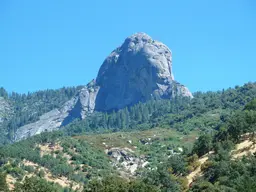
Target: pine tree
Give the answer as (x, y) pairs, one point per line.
(145, 114)
(122, 119)
(127, 117)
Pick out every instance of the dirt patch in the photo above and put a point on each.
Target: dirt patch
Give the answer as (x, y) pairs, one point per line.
(62, 181)
(10, 180)
(244, 148)
(49, 148)
(30, 163)
(198, 172)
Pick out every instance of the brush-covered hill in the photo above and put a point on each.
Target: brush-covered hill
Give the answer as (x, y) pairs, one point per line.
(152, 146)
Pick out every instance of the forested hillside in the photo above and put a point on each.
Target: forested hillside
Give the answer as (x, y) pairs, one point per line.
(146, 147)
(205, 111)
(26, 108)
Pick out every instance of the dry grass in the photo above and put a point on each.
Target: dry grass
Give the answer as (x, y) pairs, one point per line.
(132, 139)
(244, 148)
(62, 181)
(10, 180)
(198, 171)
(48, 148)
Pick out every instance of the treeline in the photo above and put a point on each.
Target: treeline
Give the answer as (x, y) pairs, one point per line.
(184, 114)
(3, 93)
(181, 113)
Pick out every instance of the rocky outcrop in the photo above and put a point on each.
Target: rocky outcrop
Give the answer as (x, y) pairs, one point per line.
(48, 122)
(125, 161)
(137, 71)
(84, 104)
(78, 107)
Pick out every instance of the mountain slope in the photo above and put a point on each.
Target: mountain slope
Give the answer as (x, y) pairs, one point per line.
(246, 147)
(17, 110)
(137, 71)
(162, 157)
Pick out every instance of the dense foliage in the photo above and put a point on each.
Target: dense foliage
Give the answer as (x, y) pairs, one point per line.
(222, 173)
(35, 184)
(77, 160)
(26, 108)
(205, 111)
(117, 184)
(3, 184)
(223, 118)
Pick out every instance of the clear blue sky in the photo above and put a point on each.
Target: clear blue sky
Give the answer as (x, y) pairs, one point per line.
(50, 44)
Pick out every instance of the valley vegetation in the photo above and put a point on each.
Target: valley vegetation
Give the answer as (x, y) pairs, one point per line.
(211, 124)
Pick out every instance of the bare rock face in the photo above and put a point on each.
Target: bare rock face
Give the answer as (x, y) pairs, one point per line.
(137, 71)
(47, 122)
(125, 161)
(78, 107)
(84, 104)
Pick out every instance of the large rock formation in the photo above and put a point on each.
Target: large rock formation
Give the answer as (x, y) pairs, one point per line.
(139, 70)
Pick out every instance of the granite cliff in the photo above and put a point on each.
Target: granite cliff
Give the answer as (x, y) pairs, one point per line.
(139, 70)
